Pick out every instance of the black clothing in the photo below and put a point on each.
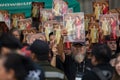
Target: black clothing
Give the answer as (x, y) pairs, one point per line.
(42, 75)
(59, 63)
(91, 75)
(51, 73)
(71, 67)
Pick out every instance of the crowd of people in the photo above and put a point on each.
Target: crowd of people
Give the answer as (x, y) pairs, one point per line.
(42, 60)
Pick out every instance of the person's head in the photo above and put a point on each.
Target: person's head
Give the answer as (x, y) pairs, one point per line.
(39, 50)
(112, 44)
(55, 27)
(112, 19)
(98, 4)
(9, 42)
(6, 14)
(78, 52)
(15, 16)
(16, 67)
(117, 64)
(104, 5)
(77, 18)
(101, 53)
(91, 18)
(105, 18)
(94, 26)
(87, 43)
(21, 17)
(48, 25)
(86, 17)
(16, 32)
(51, 36)
(70, 17)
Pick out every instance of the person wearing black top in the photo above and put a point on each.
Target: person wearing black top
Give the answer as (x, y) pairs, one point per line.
(102, 70)
(76, 62)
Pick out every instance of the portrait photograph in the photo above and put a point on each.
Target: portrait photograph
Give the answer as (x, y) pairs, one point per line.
(46, 15)
(36, 7)
(60, 7)
(94, 33)
(100, 7)
(55, 27)
(5, 16)
(74, 25)
(15, 18)
(109, 25)
(25, 24)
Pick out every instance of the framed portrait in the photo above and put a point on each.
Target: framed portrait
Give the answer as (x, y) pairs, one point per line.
(55, 27)
(89, 19)
(109, 25)
(46, 15)
(74, 25)
(94, 33)
(1, 16)
(5, 16)
(36, 36)
(29, 31)
(118, 28)
(60, 7)
(36, 7)
(100, 7)
(15, 18)
(25, 24)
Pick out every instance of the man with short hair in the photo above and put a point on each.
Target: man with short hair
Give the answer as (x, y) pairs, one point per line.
(40, 51)
(102, 70)
(76, 63)
(112, 44)
(9, 43)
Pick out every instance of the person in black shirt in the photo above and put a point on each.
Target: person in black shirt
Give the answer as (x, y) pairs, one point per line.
(102, 70)
(76, 62)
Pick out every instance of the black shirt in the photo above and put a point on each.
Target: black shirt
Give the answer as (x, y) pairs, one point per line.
(91, 75)
(71, 67)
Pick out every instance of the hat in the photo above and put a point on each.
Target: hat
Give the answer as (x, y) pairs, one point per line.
(78, 44)
(40, 49)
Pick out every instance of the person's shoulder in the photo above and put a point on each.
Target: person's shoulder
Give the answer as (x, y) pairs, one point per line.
(55, 73)
(90, 75)
(57, 70)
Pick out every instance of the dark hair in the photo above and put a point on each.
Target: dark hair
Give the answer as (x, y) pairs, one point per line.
(51, 34)
(118, 47)
(9, 41)
(102, 53)
(116, 76)
(14, 29)
(20, 64)
(20, 33)
(86, 39)
(40, 49)
(118, 55)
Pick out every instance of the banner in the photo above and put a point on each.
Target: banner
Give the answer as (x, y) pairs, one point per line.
(24, 6)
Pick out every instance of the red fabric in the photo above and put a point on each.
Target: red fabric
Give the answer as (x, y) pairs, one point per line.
(105, 10)
(25, 51)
